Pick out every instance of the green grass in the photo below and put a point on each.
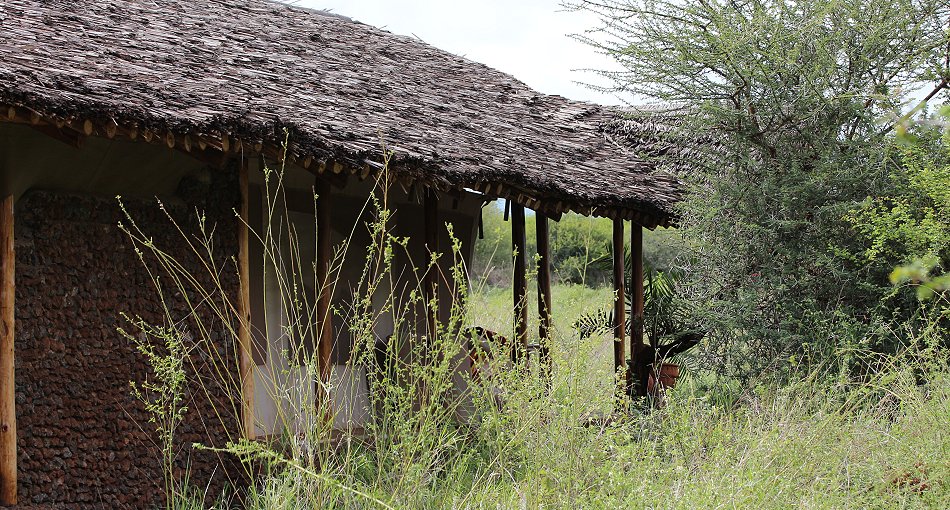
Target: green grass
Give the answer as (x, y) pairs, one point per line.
(811, 443)
(492, 307)
(820, 440)
(815, 442)
(584, 368)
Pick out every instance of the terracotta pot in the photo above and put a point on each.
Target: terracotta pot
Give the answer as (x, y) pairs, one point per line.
(668, 373)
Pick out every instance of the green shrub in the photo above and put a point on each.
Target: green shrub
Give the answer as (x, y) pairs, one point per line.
(783, 115)
(909, 226)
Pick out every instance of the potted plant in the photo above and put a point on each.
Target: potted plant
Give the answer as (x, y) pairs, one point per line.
(667, 327)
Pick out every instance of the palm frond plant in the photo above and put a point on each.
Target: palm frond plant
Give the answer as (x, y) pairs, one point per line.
(668, 325)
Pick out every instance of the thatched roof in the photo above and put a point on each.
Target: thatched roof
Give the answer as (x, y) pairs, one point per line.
(664, 134)
(230, 74)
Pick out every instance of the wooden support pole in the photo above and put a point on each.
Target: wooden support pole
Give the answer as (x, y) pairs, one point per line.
(430, 282)
(519, 247)
(544, 294)
(245, 357)
(636, 279)
(620, 309)
(7, 382)
(324, 254)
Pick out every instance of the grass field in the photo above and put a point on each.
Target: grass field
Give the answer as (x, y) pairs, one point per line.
(818, 440)
(812, 443)
(584, 367)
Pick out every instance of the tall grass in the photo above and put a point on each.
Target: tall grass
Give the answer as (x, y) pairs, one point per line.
(511, 441)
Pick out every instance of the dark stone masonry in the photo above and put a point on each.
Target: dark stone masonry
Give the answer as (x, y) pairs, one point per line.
(83, 441)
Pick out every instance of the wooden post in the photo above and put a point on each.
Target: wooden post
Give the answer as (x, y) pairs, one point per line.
(519, 247)
(544, 295)
(431, 280)
(636, 279)
(7, 382)
(324, 317)
(245, 356)
(620, 309)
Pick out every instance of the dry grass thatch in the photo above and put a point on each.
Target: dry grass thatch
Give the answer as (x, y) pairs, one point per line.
(212, 70)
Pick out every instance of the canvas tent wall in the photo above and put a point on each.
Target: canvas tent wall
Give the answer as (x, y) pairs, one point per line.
(351, 212)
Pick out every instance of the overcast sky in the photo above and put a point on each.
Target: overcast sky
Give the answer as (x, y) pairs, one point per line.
(525, 38)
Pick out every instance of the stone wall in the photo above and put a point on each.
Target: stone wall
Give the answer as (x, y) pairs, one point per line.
(83, 441)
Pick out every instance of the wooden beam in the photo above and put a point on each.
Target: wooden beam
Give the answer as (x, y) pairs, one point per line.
(67, 136)
(431, 279)
(210, 156)
(8, 467)
(544, 295)
(636, 279)
(246, 358)
(324, 256)
(620, 309)
(519, 247)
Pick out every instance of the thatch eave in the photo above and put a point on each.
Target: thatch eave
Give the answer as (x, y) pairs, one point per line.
(239, 79)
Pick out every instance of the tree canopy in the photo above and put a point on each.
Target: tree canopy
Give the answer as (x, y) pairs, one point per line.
(791, 108)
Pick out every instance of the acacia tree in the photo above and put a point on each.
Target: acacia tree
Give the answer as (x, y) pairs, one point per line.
(786, 107)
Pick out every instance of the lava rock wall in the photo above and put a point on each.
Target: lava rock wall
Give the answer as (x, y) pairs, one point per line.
(83, 440)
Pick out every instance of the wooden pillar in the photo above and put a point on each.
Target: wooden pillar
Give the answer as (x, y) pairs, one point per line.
(519, 247)
(544, 294)
(7, 382)
(636, 279)
(245, 354)
(620, 309)
(325, 290)
(430, 284)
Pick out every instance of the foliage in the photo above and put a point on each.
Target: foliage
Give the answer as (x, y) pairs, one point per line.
(576, 243)
(162, 396)
(820, 440)
(664, 314)
(919, 273)
(668, 324)
(913, 219)
(780, 104)
(811, 442)
(910, 225)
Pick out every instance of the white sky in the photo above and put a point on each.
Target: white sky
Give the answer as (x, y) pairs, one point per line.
(525, 38)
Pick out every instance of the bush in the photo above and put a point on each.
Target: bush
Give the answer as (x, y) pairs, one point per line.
(909, 225)
(781, 106)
